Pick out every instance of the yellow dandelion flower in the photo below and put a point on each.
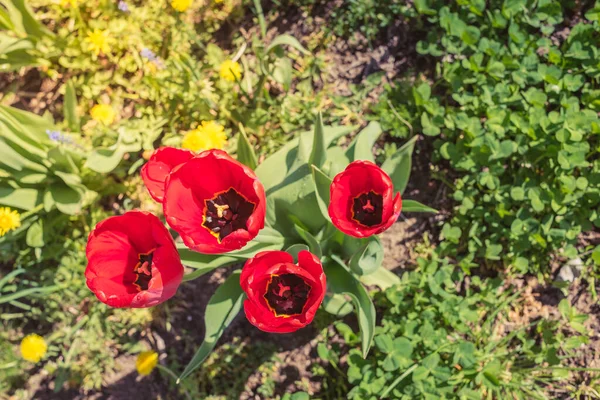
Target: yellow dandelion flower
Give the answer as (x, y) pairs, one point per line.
(33, 348)
(209, 135)
(230, 70)
(146, 362)
(103, 113)
(98, 41)
(9, 220)
(181, 5)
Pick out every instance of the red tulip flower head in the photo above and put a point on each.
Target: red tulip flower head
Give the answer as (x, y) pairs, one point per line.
(282, 296)
(214, 202)
(362, 201)
(132, 261)
(159, 166)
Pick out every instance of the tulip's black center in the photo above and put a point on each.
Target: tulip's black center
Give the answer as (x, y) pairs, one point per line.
(287, 294)
(367, 209)
(227, 212)
(143, 270)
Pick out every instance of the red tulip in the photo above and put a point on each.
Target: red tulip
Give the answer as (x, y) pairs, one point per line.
(132, 261)
(215, 203)
(159, 166)
(362, 201)
(282, 296)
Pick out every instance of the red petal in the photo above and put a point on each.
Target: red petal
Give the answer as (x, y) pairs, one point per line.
(200, 179)
(157, 169)
(254, 280)
(113, 249)
(359, 177)
(260, 262)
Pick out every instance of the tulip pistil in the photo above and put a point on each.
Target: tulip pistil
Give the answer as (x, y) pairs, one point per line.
(143, 270)
(367, 209)
(227, 212)
(286, 294)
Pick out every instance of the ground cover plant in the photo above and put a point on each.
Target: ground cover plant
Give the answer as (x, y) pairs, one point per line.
(211, 199)
(514, 104)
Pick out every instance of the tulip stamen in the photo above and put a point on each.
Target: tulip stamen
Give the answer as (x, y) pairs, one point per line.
(367, 209)
(286, 295)
(143, 270)
(227, 212)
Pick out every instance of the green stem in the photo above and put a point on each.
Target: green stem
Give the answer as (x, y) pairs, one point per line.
(409, 371)
(398, 380)
(261, 19)
(32, 211)
(172, 375)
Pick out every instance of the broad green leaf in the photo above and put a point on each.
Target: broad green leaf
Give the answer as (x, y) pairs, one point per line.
(275, 168)
(24, 199)
(104, 160)
(267, 239)
(26, 130)
(245, 151)
(295, 249)
(337, 161)
(319, 147)
(361, 147)
(313, 244)
(337, 304)
(398, 166)
(23, 19)
(19, 160)
(287, 40)
(415, 206)
(341, 281)
(283, 72)
(222, 308)
(369, 258)
(68, 200)
(35, 234)
(400, 356)
(295, 200)
(70, 107)
(429, 128)
(383, 278)
(323, 190)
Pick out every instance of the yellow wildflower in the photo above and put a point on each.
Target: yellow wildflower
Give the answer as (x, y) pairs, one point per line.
(209, 135)
(230, 70)
(146, 362)
(33, 348)
(103, 113)
(9, 220)
(181, 5)
(98, 41)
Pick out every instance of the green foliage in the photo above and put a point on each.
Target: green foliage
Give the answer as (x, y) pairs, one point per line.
(437, 342)
(514, 109)
(226, 371)
(297, 219)
(36, 171)
(20, 34)
(367, 17)
(82, 336)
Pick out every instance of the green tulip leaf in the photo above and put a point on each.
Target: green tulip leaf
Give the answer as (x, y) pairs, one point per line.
(222, 308)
